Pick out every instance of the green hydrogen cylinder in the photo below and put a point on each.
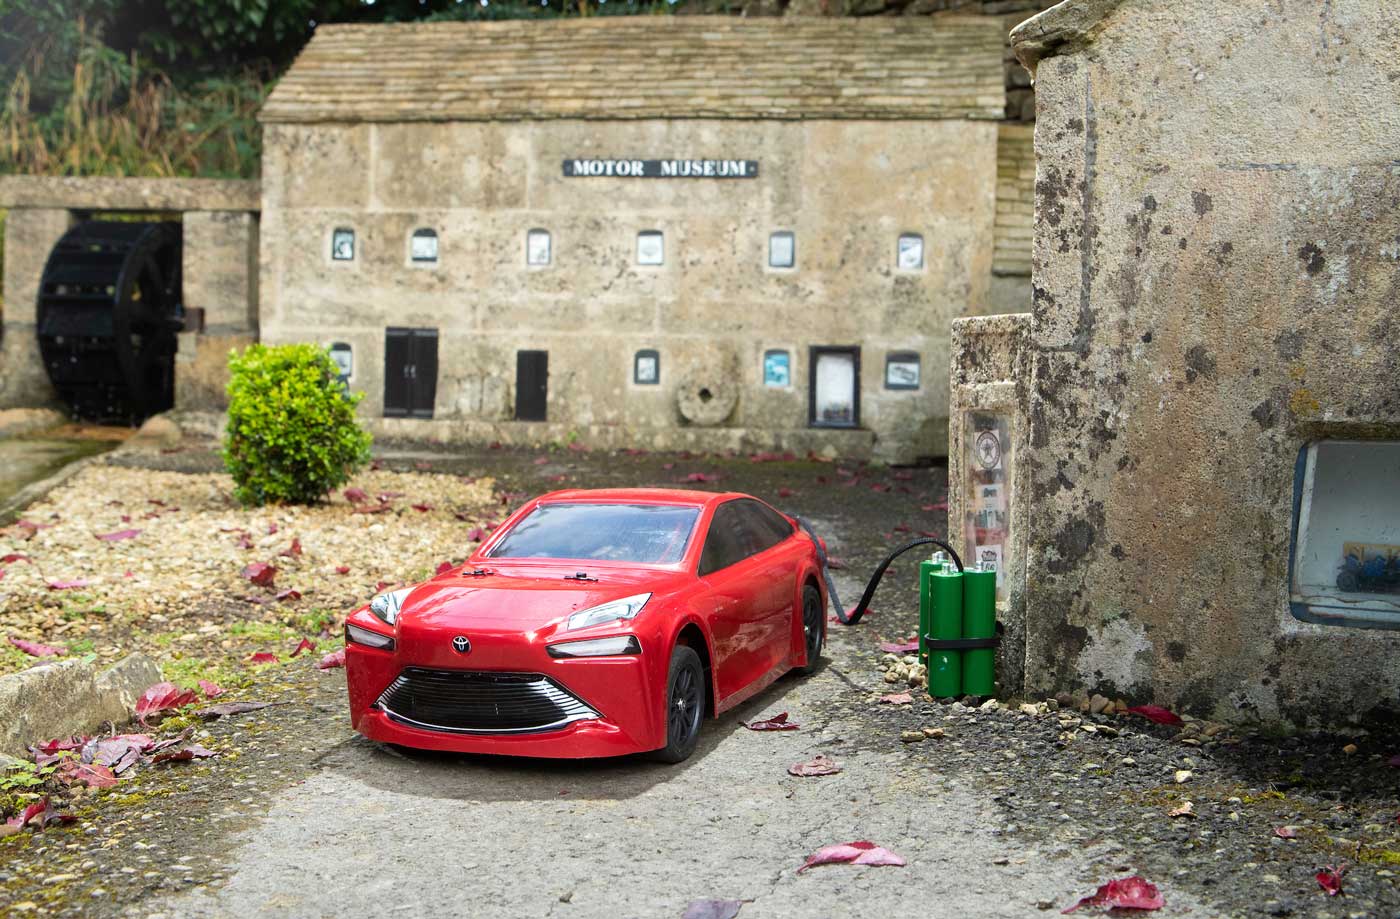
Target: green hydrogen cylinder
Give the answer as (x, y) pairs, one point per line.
(945, 622)
(979, 620)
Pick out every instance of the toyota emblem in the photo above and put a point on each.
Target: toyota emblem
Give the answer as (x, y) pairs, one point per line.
(460, 644)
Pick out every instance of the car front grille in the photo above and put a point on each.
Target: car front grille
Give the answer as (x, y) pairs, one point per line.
(481, 702)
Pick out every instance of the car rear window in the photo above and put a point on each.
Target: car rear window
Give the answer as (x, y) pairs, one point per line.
(641, 533)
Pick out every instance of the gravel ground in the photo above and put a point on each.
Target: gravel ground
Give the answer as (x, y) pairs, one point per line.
(1007, 813)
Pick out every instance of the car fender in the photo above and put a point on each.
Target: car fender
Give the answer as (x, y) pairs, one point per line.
(679, 625)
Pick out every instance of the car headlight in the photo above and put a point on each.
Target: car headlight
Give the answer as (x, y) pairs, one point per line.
(386, 606)
(596, 647)
(359, 636)
(612, 611)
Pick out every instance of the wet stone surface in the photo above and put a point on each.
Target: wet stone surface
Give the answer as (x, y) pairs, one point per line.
(998, 812)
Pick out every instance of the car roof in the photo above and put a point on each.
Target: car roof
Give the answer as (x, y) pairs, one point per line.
(679, 496)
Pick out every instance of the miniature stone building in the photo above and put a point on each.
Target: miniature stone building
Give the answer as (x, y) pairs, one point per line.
(1187, 456)
(649, 231)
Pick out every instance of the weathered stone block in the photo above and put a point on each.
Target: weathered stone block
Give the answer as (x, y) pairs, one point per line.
(67, 697)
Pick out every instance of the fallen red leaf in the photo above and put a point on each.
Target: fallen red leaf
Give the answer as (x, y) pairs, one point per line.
(306, 645)
(905, 647)
(897, 698)
(701, 477)
(1285, 832)
(187, 752)
(162, 697)
(291, 593)
(13, 557)
(421, 508)
(223, 709)
(476, 534)
(293, 550)
(386, 496)
(47, 752)
(1330, 879)
(1123, 893)
(355, 495)
(39, 815)
(541, 460)
(332, 660)
(260, 573)
(939, 506)
(880, 487)
(68, 585)
(118, 535)
(342, 569)
(93, 775)
(118, 753)
(211, 690)
(818, 765)
(1156, 714)
(712, 909)
(34, 649)
(902, 528)
(861, 852)
(778, 722)
(262, 657)
(245, 541)
(444, 567)
(786, 492)
(271, 528)
(834, 563)
(374, 509)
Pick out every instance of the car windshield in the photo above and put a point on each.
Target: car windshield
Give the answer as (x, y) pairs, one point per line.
(645, 534)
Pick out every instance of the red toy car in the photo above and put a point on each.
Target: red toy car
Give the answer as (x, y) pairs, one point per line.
(592, 623)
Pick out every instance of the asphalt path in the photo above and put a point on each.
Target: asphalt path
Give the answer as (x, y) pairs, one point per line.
(375, 832)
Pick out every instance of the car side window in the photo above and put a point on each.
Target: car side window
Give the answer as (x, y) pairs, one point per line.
(725, 543)
(769, 522)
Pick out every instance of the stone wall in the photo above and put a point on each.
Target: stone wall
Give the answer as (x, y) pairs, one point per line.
(846, 189)
(1217, 267)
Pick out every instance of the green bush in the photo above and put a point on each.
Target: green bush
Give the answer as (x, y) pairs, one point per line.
(292, 435)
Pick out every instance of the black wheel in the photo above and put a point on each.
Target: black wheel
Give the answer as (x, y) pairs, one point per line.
(1348, 581)
(685, 706)
(813, 623)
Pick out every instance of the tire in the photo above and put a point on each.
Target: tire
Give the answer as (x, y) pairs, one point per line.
(685, 706)
(813, 627)
(1348, 581)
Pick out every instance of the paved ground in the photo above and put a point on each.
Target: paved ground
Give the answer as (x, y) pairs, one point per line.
(1003, 816)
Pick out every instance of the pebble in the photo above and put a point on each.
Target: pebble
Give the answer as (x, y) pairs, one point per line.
(1183, 776)
(911, 736)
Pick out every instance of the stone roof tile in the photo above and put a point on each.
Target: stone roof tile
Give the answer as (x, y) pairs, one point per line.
(702, 67)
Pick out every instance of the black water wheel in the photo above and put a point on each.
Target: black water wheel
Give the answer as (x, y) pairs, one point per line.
(108, 310)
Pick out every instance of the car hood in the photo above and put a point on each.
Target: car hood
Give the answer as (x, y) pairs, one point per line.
(523, 597)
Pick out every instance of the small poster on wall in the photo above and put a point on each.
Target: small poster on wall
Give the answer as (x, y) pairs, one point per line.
(777, 369)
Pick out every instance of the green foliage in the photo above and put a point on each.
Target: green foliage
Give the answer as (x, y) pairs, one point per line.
(292, 435)
(23, 776)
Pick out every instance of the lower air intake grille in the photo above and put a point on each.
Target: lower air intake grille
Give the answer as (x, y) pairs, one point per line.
(468, 702)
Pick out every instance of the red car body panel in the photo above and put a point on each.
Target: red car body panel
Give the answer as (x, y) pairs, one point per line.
(746, 617)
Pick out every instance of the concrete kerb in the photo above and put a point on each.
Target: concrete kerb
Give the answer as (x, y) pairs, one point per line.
(66, 697)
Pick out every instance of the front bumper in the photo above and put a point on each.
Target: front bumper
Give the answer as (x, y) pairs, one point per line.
(615, 707)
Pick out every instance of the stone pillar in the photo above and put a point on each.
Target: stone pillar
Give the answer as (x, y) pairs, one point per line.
(220, 273)
(30, 235)
(987, 499)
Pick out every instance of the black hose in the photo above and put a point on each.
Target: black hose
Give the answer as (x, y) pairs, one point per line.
(874, 581)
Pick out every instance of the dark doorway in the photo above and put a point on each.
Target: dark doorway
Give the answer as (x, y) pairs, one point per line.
(531, 385)
(410, 372)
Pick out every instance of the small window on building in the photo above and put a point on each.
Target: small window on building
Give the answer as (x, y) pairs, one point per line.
(646, 367)
(651, 248)
(537, 252)
(835, 387)
(1345, 568)
(902, 370)
(777, 368)
(344, 359)
(343, 244)
(909, 255)
(423, 245)
(782, 250)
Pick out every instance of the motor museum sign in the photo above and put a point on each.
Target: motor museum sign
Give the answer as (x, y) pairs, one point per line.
(661, 169)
